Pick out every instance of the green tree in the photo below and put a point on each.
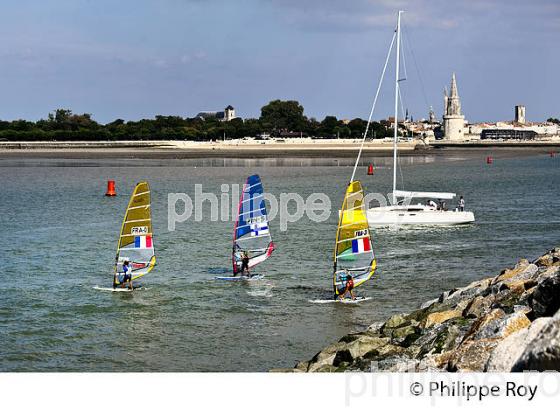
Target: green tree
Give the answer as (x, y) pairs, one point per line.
(60, 116)
(283, 115)
(379, 131)
(312, 127)
(357, 127)
(342, 131)
(63, 119)
(252, 128)
(327, 127)
(22, 125)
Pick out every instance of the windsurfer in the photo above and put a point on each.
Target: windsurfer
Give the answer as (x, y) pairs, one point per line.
(348, 286)
(127, 277)
(245, 263)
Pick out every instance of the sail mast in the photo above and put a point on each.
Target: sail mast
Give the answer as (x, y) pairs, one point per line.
(373, 108)
(395, 125)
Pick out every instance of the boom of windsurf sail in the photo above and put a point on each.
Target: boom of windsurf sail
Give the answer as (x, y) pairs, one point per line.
(353, 252)
(136, 241)
(251, 233)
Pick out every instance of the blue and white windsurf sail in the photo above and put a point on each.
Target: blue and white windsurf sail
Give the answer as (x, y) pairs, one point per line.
(251, 233)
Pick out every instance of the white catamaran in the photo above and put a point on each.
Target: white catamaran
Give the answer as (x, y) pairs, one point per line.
(402, 211)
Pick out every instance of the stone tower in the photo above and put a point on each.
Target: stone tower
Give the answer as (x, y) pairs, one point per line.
(520, 114)
(229, 113)
(453, 120)
(432, 115)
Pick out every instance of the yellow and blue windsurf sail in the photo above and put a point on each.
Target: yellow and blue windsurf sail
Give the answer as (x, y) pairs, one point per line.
(251, 233)
(136, 240)
(353, 252)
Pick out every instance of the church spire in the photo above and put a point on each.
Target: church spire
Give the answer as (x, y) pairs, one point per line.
(454, 92)
(452, 102)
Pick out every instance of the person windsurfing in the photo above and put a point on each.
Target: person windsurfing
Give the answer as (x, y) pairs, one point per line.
(127, 277)
(348, 287)
(245, 263)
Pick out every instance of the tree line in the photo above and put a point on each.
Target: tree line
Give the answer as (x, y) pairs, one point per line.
(278, 119)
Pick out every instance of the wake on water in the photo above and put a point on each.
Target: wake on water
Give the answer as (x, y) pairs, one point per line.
(263, 291)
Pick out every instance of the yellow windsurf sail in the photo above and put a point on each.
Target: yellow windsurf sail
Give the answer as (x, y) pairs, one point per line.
(353, 252)
(136, 241)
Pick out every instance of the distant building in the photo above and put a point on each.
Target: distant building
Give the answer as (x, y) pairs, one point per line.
(513, 130)
(520, 114)
(453, 120)
(423, 128)
(431, 116)
(507, 134)
(227, 114)
(455, 128)
(517, 129)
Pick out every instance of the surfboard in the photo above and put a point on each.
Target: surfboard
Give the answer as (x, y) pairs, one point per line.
(345, 301)
(118, 289)
(239, 278)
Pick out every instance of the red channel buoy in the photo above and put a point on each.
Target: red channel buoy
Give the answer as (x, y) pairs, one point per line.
(489, 160)
(370, 169)
(111, 188)
(552, 154)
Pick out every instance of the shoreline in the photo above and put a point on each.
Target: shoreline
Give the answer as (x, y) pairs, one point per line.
(506, 323)
(252, 149)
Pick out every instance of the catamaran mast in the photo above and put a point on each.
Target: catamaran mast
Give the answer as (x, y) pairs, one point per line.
(395, 125)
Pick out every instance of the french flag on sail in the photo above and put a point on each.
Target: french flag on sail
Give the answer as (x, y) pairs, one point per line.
(144, 241)
(361, 245)
(259, 229)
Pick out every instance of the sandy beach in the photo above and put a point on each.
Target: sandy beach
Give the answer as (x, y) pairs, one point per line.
(306, 148)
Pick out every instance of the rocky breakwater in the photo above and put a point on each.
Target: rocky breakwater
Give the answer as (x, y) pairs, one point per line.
(510, 322)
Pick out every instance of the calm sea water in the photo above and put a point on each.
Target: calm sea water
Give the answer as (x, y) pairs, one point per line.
(59, 235)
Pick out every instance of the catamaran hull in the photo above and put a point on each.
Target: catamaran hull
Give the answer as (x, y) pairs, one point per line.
(389, 216)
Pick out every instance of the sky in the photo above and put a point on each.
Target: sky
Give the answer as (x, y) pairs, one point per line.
(134, 59)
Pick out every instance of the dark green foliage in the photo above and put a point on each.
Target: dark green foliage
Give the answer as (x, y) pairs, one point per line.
(280, 115)
(278, 119)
